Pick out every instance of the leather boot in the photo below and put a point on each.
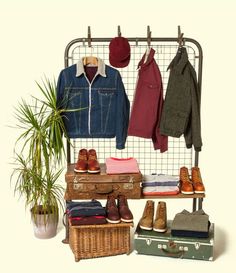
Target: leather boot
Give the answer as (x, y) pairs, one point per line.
(112, 212)
(160, 222)
(125, 213)
(186, 186)
(93, 165)
(146, 222)
(82, 163)
(197, 181)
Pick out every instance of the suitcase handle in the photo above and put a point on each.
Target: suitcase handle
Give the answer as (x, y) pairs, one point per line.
(103, 189)
(172, 251)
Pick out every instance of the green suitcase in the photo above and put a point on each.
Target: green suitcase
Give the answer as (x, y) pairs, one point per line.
(164, 244)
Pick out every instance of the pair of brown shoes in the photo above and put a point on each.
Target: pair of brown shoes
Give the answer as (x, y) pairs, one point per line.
(119, 212)
(160, 222)
(195, 185)
(87, 162)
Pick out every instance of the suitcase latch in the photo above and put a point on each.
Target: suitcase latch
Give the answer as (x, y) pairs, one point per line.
(197, 245)
(78, 186)
(76, 183)
(128, 186)
(148, 241)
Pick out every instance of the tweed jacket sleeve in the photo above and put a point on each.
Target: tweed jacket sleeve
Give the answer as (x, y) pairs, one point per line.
(192, 133)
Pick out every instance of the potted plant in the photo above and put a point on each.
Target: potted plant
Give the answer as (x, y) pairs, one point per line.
(39, 153)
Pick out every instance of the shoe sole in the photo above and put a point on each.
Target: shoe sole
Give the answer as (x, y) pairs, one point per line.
(113, 221)
(93, 171)
(126, 220)
(145, 228)
(80, 171)
(187, 192)
(160, 230)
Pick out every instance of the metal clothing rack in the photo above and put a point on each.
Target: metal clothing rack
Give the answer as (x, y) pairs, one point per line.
(150, 161)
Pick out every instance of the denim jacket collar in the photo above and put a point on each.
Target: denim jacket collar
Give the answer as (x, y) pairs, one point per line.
(101, 68)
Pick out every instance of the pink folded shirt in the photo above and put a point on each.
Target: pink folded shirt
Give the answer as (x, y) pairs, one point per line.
(121, 165)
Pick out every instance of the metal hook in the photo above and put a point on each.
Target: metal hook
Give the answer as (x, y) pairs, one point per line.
(119, 32)
(148, 36)
(89, 36)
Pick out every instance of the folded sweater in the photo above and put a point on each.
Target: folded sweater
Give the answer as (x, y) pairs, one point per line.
(89, 208)
(197, 221)
(121, 165)
(160, 180)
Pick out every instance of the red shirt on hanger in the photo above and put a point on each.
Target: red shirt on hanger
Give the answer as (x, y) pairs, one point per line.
(148, 102)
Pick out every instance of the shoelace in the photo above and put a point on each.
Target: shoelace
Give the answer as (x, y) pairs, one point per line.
(123, 201)
(82, 157)
(184, 175)
(111, 202)
(196, 177)
(162, 211)
(92, 157)
(148, 210)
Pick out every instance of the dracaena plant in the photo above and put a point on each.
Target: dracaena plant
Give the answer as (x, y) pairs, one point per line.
(39, 150)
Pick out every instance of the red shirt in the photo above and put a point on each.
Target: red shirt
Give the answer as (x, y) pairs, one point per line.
(147, 105)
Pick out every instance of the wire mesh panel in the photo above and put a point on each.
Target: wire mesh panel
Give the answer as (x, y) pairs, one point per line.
(150, 161)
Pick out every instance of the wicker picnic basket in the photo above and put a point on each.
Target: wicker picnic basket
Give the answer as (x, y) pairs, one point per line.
(91, 241)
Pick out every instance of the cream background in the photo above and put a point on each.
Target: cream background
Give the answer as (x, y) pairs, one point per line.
(33, 35)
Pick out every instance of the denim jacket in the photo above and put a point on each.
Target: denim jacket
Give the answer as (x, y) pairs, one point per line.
(104, 102)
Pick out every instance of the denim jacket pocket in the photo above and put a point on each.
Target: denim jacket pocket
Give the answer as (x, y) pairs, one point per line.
(107, 104)
(74, 101)
(74, 98)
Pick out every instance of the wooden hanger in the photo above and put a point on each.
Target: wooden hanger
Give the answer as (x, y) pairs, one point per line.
(90, 60)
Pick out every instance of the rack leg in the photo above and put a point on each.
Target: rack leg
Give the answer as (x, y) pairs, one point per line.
(194, 204)
(66, 224)
(200, 200)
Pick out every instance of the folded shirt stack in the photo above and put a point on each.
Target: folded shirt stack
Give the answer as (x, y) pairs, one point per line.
(121, 165)
(160, 184)
(195, 224)
(86, 213)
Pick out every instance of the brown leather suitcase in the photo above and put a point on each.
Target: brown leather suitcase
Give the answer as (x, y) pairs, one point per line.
(99, 186)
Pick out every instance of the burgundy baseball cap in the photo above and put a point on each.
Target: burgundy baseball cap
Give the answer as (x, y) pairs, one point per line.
(119, 55)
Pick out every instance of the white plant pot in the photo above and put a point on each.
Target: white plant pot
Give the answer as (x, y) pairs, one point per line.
(45, 226)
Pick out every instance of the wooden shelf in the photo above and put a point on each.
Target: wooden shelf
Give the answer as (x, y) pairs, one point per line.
(180, 195)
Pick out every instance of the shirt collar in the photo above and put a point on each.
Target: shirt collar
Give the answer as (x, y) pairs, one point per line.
(101, 68)
(180, 60)
(149, 59)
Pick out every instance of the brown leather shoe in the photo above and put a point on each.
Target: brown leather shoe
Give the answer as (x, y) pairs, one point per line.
(125, 213)
(82, 163)
(93, 165)
(160, 222)
(146, 222)
(113, 215)
(197, 181)
(186, 186)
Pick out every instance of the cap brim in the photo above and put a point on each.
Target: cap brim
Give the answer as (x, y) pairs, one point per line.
(119, 64)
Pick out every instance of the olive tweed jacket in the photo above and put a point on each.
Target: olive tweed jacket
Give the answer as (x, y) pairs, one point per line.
(181, 110)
